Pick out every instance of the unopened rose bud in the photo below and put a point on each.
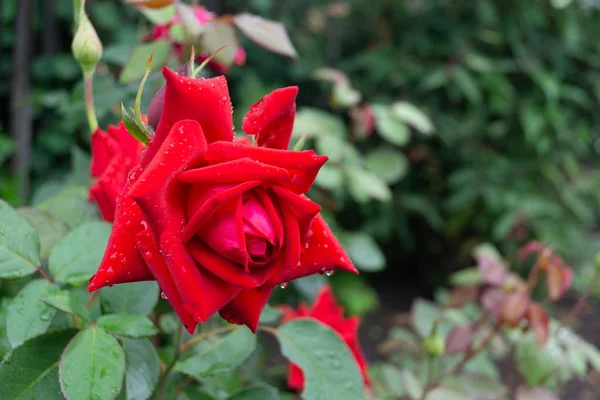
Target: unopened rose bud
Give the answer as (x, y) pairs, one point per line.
(86, 46)
(434, 344)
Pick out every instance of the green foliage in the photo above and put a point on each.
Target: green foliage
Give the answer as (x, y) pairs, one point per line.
(92, 366)
(134, 326)
(329, 367)
(19, 244)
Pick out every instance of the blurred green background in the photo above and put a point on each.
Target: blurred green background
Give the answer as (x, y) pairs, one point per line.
(485, 120)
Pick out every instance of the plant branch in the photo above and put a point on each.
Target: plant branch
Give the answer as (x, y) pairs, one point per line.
(473, 351)
(162, 385)
(44, 274)
(581, 302)
(89, 101)
(196, 339)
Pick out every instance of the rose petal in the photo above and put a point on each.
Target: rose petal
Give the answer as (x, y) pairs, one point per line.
(321, 252)
(122, 262)
(273, 215)
(244, 169)
(303, 166)
(129, 147)
(158, 192)
(271, 119)
(202, 293)
(246, 307)
(205, 101)
(227, 270)
(157, 264)
(103, 149)
(302, 207)
(325, 307)
(207, 209)
(104, 193)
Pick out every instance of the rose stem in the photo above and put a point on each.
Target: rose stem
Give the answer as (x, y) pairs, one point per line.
(89, 101)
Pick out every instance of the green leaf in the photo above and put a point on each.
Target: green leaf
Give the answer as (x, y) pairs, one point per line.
(413, 116)
(534, 363)
(331, 146)
(314, 122)
(135, 326)
(71, 205)
(330, 177)
(329, 368)
(215, 36)
(270, 315)
(7, 146)
(50, 229)
(354, 293)
(77, 256)
(19, 244)
(389, 127)
(443, 393)
(220, 356)
(92, 366)
(393, 380)
(188, 18)
(424, 314)
(364, 251)
(258, 392)
(142, 371)
(132, 127)
(268, 34)
(31, 371)
(68, 302)
(364, 185)
(80, 167)
(27, 316)
(467, 276)
(5, 346)
(129, 298)
(411, 384)
(159, 16)
(467, 85)
(388, 164)
(135, 68)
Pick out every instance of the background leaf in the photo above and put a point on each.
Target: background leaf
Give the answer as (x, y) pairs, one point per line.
(19, 244)
(329, 368)
(129, 298)
(27, 316)
(77, 256)
(270, 35)
(92, 366)
(31, 371)
(50, 229)
(222, 355)
(136, 64)
(135, 326)
(71, 205)
(68, 302)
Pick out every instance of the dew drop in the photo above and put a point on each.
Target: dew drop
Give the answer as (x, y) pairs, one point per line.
(329, 273)
(163, 296)
(283, 285)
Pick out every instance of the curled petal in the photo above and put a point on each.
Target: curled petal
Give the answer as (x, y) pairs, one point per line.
(302, 207)
(244, 169)
(246, 307)
(202, 293)
(321, 252)
(303, 166)
(208, 208)
(271, 119)
(122, 262)
(205, 101)
(158, 192)
(227, 270)
(157, 264)
(103, 149)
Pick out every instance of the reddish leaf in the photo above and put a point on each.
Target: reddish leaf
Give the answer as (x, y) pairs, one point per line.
(514, 308)
(150, 3)
(539, 322)
(536, 393)
(462, 295)
(459, 339)
(493, 269)
(492, 301)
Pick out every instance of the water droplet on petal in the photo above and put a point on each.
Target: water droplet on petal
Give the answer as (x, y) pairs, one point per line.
(283, 285)
(163, 296)
(329, 273)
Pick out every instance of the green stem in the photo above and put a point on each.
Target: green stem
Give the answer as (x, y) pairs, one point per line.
(162, 385)
(89, 101)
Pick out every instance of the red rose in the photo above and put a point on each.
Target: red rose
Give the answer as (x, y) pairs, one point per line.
(114, 153)
(219, 223)
(328, 312)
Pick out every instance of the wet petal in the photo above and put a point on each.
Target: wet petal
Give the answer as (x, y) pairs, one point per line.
(246, 307)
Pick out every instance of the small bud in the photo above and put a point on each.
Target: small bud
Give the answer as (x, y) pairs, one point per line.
(433, 344)
(86, 46)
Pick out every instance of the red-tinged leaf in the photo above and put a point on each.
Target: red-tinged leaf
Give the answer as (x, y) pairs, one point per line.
(539, 322)
(493, 269)
(149, 3)
(459, 339)
(536, 393)
(462, 295)
(270, 35)
(558, 280)
(514, 308)
(492, 301)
